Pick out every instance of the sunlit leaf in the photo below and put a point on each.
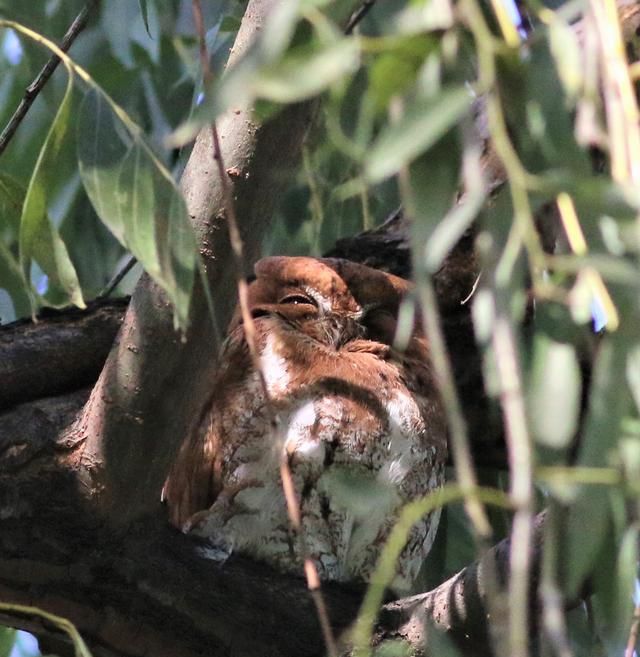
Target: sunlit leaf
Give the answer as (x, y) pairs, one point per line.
(39, 239)
(359, 493)
(303, 74)
(423, 123)
(554, 392)
(633, 374)
(452, 228)
(136, 199)
(265, 58)
(394, 71)
(567, 54)
(434, 178)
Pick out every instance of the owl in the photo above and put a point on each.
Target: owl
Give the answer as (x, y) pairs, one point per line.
(360, 422)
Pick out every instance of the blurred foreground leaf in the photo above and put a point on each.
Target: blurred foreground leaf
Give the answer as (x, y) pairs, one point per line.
(423, 123)
(554, 393)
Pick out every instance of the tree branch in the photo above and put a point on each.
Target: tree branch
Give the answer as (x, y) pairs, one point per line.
(118, 472)
(62, 352)
(150, 590)
(32, 91)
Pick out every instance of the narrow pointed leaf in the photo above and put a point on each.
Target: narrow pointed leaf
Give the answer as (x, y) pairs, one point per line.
(144, 12)
(422, 125)
(554, 398)
(136, 199)
(301, 75)
(13, 281)
(39, 239)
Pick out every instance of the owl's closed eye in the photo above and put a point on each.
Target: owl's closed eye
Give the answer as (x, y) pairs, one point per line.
(362, 424)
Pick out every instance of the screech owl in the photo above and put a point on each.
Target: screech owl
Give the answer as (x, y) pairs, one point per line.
(361, 422)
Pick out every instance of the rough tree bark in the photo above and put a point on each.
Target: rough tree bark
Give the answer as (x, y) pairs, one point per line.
(82, 533)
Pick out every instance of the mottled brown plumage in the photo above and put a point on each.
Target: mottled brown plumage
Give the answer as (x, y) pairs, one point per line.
(362, 424)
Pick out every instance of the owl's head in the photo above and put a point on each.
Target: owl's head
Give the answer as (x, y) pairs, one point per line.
(329, 299)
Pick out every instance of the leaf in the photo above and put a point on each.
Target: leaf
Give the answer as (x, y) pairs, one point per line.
(394, 71)
(307, 71)
(452, 228)
(633, 374)
(359, 493)
(136, 199)
(566, 51)
(614, 581)
(13, 281)
(7, 640)
(434, 180)
(609, 403)
(144, 12)
(64, 625)
(237, 86)
(229, 24)
(12, 193)
(39, 239)
(423, 123)
(554, 392)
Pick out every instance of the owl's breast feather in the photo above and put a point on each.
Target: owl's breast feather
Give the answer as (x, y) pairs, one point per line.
(359, 447)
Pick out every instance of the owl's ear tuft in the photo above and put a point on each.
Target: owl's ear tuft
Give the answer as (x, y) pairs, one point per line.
(370, 287)
(273, 267)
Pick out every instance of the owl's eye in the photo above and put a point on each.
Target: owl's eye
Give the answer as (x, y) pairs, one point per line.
(296, 299)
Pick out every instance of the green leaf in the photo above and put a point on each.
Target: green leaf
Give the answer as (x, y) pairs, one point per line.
(12, 193)
(229, 24)
(567, 53)
(39, 239)
(266, 56)
(136, 199)
(633, 374)
(7, 640)
(614, 581)
(423, 123)
(144, 12)
(554, 392)
(360, 493)
(609, 404)
(307, 71)
(452, 227)
(434, 180)
(394, 71)
(13, 281)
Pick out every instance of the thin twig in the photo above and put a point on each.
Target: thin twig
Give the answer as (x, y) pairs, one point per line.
(117, 279)
(553, 606)
(32, 91)
(358, 15)
(288, 486)
(504, 341)
(459, 442)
